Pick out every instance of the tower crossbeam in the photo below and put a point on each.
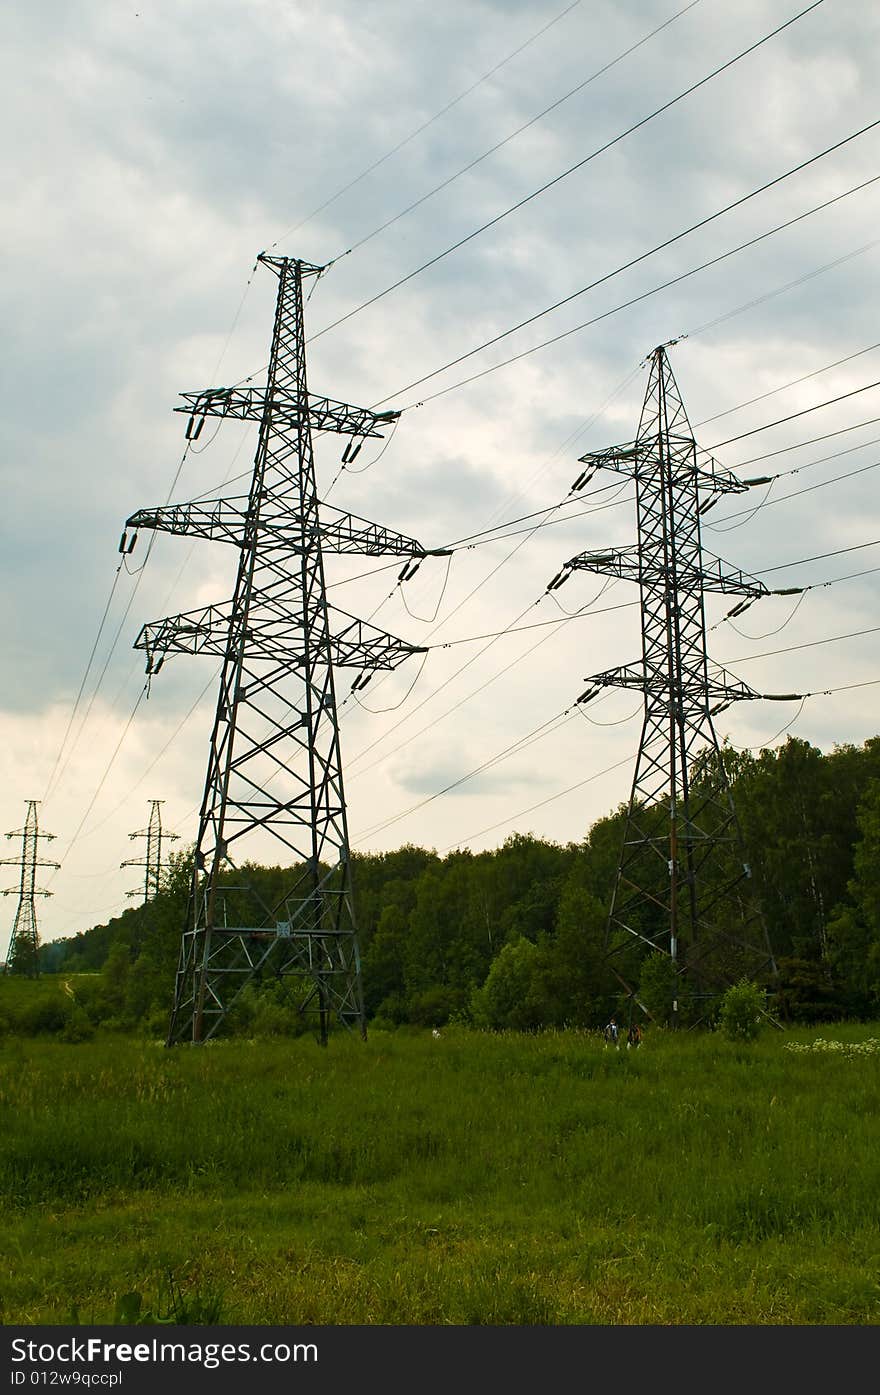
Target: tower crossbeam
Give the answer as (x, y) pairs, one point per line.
(226, 520)
(631, 564)
(286, 405)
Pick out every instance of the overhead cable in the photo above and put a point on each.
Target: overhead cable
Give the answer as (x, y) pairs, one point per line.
(628, 265)
(499, 145)
(425, 124)
(536, 193)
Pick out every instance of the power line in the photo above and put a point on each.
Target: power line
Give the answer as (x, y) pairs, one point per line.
(820, 556)
(795, 493)
(425, 124)
(645, 295)
(82, 685)
(116, 636)
(585, 614)
(814, 440)
(634, 261)
(809, 644)
(804, 412)
(155, 761)
(565, 173)
(108, 767)
(504, 823)
(570, 789)
(794, 382)
(780, 290)
(537, 734)
(465, 169)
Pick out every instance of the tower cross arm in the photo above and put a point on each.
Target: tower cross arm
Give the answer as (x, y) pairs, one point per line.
(226, 520)
(636, 459)
(348, 533)
(622, 562)
(32, 862)
(285, 406)
(721, 687)
(202, 631)
(219, 520)
(355, 644)
(633, 564)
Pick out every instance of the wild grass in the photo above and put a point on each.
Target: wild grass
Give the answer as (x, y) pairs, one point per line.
(498, 1179)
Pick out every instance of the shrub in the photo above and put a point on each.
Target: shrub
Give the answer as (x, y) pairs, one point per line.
(742, 1011)
(78, 1026)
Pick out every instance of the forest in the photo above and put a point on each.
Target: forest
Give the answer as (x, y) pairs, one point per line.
(514, 938)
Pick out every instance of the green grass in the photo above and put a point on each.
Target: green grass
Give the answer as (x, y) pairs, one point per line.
(475, 1179)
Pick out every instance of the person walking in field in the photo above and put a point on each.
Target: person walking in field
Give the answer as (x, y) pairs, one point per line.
(612, 1034)
(634, 1036)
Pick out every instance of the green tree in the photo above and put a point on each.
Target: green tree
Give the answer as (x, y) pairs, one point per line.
(580, 981)
(383, 965)
(854, 931)
(516, 992)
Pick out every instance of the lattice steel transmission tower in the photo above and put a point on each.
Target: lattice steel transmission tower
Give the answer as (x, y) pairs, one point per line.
(682, 883)
(23, 955)
(152, 859)
(275, 765)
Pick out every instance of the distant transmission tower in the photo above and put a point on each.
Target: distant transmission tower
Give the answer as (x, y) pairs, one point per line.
(23, 955)
(152, 861)
(275, 763)
(682, 883)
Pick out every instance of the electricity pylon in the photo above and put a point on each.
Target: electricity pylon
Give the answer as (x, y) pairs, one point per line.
(682, 883)
(23, 955)
(152, 860)
(275, 765)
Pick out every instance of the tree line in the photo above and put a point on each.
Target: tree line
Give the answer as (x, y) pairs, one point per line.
(515, 937)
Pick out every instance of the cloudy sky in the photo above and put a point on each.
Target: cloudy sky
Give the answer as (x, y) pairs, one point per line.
(153, 149)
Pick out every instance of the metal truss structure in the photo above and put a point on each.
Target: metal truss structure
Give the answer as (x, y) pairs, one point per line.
(275, 765)
(23, 955)
(682, 883)
(152, 860)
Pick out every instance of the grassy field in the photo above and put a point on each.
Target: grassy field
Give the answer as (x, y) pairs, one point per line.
(471, 1179)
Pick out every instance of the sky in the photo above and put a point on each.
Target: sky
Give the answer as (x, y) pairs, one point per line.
(153, 152)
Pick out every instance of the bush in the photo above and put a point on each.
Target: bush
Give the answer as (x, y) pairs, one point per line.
(435, 1006)
(742, 1011)
(78, 1027)
(48, 1015)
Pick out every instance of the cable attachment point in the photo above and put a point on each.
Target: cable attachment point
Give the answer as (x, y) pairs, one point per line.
(791, 591)
(194, 425)
(409, 569)
(559, 579)
(362, 680)
(587, 696)
(740, 608)
(709, 504)
(719, 707)
(583, 479)
(348, 454)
